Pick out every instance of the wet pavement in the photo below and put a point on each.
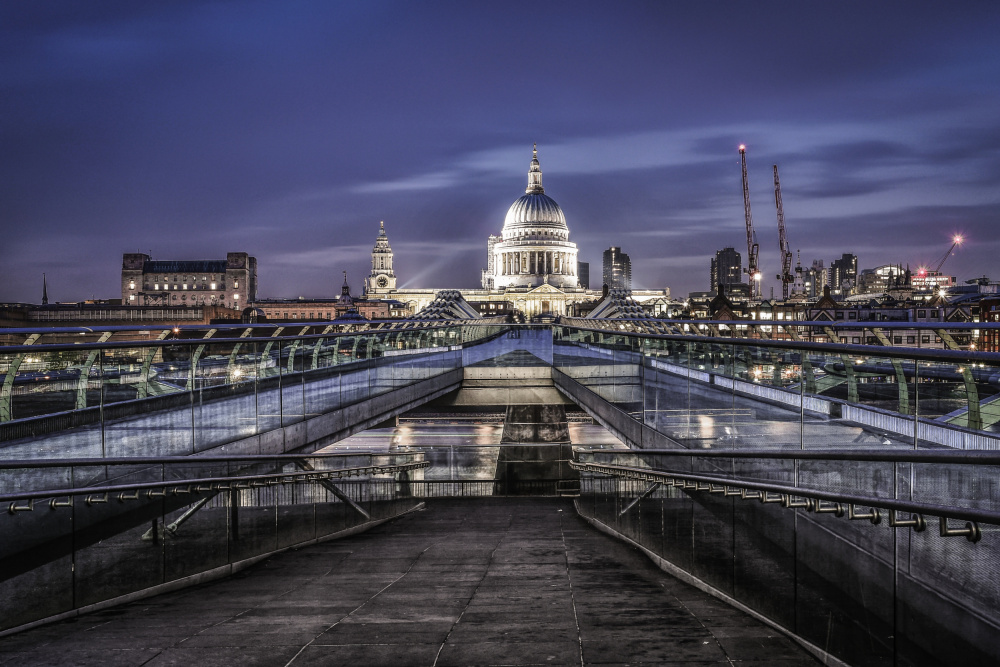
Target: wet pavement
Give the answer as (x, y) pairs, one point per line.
(464, 582)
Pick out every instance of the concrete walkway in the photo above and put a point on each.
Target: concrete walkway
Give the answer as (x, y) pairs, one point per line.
(465, 582)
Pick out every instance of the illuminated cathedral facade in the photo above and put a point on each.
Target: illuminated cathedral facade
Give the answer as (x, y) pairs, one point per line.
(531, 265)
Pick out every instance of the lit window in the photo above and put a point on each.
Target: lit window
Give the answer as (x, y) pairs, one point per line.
(185, 285)
(236, 284)
(131, 297)
(213, 285)
(156, 286)
(131, 285)
(236, 297)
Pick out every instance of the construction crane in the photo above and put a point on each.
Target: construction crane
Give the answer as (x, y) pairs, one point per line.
(785, 276)
(956, 241)
(752, 247)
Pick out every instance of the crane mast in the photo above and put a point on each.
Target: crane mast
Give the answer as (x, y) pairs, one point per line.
(786, 276)
(752, 247)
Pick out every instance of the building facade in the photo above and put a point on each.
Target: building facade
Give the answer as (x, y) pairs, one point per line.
(323, 310)
(532, 266)
(534, 247)
(617, 269)
(727, 269)
(230, 282)
(382, 276)
(844, 275)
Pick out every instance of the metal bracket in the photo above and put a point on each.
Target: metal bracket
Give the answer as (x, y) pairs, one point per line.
(874, 514)
(96, 500)
(776, 498)
(916, 521)
(14, 508)
(53, 504)
(747, 494)
(971, 531)
(836, 509)
(805, 503)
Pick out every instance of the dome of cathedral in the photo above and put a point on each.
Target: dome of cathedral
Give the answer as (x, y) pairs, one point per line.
(535, 210)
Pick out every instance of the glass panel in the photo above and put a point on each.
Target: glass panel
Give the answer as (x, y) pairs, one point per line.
(292, 391)
(50, 395)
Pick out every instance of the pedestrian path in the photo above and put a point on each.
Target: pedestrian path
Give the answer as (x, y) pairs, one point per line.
(464, 582)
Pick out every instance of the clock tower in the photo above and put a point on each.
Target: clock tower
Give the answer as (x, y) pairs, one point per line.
(382, 279)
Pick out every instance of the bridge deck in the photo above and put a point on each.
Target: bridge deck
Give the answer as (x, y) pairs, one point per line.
(473, 581)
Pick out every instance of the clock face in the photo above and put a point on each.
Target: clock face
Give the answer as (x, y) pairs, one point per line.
(382, 281)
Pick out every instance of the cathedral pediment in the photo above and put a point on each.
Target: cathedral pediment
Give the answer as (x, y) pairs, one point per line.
(545, 288)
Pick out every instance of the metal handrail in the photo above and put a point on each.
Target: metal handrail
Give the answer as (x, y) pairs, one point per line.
(235, 326)
(877, 351)
(302, 476)
(966, 457)
(838, 324)
(647, 474)
(140, 460)
(173, 342)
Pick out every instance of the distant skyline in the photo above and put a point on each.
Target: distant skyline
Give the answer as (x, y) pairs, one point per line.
(289, 130)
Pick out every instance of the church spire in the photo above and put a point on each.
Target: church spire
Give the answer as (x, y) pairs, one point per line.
(45, 291)
(534, 175)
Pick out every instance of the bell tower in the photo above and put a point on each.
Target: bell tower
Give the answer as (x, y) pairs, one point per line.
(382, 279)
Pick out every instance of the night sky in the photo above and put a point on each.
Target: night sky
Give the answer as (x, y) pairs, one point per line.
(290, 129)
